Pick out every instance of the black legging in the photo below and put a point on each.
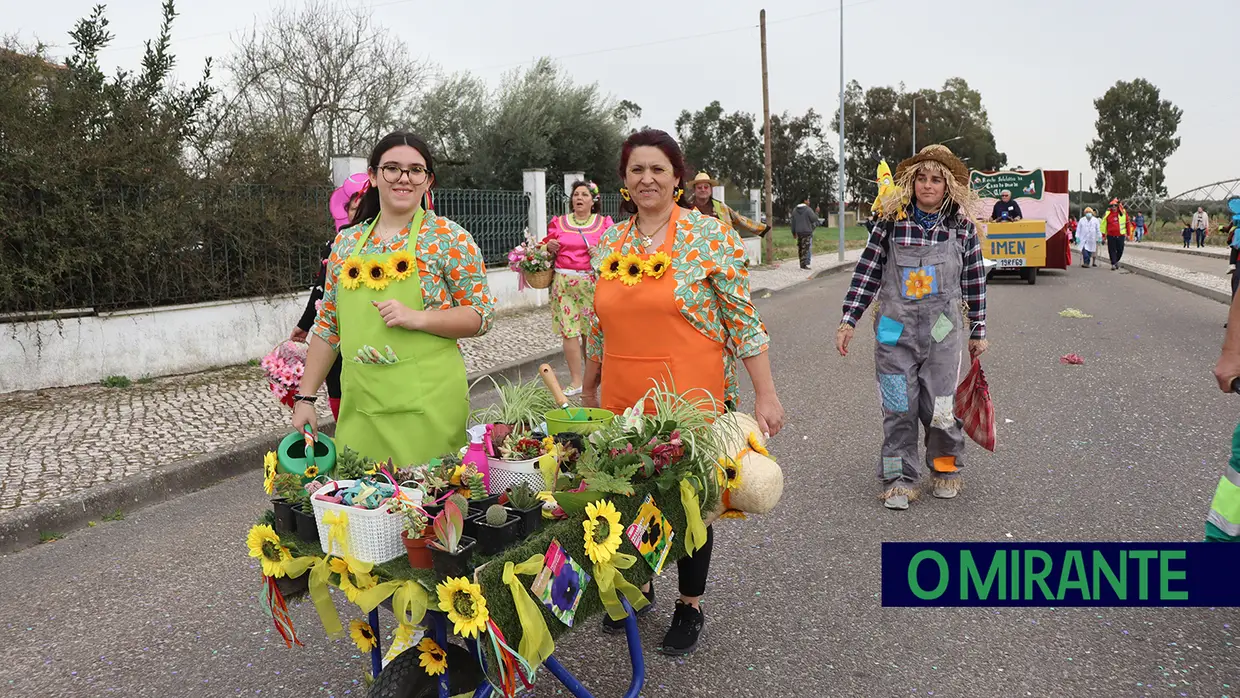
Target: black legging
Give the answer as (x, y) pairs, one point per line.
(694, 569)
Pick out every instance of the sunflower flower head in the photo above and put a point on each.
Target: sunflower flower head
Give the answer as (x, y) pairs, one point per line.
(729, 473)
(400, 265)
(755, 445)
(657, 264)
(602, 531)
(631, 269)
(432, 658)
(611, 266)
(269, 472)
(465, 605)
(351, 273)
(312, 471)
(363, 635)
(374, 275)
(265, 545)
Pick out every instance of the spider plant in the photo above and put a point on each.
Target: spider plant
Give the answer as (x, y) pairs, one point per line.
(521, 405)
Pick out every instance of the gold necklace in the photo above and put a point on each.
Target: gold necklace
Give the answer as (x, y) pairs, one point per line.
(648, 240)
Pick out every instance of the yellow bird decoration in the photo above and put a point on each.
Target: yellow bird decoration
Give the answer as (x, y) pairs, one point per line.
(886, 188)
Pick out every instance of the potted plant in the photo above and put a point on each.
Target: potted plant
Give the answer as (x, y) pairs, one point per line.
(518, 407)
(450, 551)
(303, 517)
(286, 487)
(524, 502)
(497, 529)
(415, 533)
(479, 500)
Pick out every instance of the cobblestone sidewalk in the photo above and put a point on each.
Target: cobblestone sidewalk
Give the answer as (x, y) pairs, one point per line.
(59, 441)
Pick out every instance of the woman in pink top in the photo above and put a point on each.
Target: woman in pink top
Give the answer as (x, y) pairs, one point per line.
(570, 238)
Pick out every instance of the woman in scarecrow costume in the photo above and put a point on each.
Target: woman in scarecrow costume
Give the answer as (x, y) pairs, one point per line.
(923, 268)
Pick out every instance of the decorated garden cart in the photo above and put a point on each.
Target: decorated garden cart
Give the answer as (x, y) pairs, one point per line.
(550, 515)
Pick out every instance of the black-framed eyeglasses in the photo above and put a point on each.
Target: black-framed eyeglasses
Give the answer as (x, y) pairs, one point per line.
(417, 174)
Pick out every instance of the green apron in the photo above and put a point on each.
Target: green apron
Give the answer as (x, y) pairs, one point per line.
(410, 411)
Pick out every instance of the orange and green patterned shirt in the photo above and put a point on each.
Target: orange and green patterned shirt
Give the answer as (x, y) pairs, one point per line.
(712, 288)
(450, 269)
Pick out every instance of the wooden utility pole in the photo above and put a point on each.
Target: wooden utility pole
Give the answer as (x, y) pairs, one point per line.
(769, 252)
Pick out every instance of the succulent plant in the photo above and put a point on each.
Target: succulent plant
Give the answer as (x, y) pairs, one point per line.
(350, 465)
(461, 503)
(522, 496)
(477, 490)
(496, 515)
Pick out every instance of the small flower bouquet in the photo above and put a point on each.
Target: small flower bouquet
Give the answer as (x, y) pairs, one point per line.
(283, 367)
(533, 262)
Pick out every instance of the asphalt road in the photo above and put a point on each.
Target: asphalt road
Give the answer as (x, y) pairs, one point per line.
(1126, 447)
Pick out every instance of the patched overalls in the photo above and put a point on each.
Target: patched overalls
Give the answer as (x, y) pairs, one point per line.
(921, 335)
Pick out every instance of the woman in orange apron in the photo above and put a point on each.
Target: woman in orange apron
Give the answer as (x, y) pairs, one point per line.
(672, 306)
(402, 286)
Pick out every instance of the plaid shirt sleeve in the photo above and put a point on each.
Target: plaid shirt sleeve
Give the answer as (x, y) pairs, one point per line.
(867, 277)
(973, 282)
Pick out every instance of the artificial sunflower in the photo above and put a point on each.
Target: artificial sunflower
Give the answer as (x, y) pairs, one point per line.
(363, 635)
(729, 473)
(611, 266)
(433, 658)
(462, 600)
(354, 577)
(265, 545)
(631, 268)
(312, 472)
(918, 285)
(400, 265)
(269, 472)
(351, 273)
(375, 275)
(602, 530)
(755, 445)
(657, 264)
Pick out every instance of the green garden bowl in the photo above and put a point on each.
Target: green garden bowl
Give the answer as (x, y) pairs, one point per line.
(570, 420)
(292, 455)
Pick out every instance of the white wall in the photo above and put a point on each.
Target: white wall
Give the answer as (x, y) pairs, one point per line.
(170, 340)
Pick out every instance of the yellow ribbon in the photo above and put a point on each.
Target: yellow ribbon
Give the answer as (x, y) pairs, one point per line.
(609, 579)
(408, 600)
(320, 572)
(536, 643)
(695, 536)
(337, 523)
(549, 466)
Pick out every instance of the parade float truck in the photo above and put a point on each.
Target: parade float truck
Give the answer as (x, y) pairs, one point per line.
(1040, 239)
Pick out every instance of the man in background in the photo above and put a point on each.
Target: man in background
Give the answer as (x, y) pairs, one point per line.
(1005, 209)
(1201, 223)
(1115, 227)
(703, 199)
(804, 220)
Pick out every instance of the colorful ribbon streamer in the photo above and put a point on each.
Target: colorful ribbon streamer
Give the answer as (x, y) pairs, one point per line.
(536, 643)
(609, 579)
(277, 610)
(695, 535)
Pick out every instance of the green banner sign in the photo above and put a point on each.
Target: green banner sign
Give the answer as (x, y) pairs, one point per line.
(1022, 185)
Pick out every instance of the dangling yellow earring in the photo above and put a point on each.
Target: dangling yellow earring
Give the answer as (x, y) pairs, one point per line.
(624, 193)
(679, 192)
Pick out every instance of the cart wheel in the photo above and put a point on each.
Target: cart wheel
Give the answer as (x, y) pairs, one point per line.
(1031, 275)
(404, 677)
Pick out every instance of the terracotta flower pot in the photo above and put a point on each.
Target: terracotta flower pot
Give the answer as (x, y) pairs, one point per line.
(419, 555)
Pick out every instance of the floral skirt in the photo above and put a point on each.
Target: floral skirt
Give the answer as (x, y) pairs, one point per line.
(572, 304)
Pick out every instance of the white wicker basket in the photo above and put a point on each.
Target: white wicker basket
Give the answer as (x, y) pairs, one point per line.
(507, 473)
(373, 534)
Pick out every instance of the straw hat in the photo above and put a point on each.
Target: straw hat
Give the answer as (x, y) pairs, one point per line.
(940, 154)
(703, 177)
(761, 479)
(1089, 209)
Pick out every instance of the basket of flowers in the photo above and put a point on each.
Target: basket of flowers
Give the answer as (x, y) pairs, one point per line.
(283, 367)
(533, 262)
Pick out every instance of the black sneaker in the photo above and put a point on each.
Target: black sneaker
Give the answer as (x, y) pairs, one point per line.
(616, 627)
(687, 626)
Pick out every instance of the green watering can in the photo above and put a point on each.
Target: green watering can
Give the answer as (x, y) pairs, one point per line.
(299, 451)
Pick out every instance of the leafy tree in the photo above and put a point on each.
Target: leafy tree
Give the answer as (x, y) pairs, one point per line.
(878, 125)
(802, 162)
(727, 146)
(1136, 134)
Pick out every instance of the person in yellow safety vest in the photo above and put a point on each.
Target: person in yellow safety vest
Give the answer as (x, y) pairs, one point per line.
(1223, 521)
(703, 200)
(1115, 228)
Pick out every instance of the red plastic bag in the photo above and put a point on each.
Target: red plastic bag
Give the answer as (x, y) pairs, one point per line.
(974, 408)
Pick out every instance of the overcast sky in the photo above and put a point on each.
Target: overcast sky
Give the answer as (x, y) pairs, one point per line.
(1038, 65)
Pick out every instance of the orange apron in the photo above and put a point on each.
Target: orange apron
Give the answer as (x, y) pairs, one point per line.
(646, 339)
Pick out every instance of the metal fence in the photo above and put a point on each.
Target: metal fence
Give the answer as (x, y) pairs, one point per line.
(558, 204)
(496, 219)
